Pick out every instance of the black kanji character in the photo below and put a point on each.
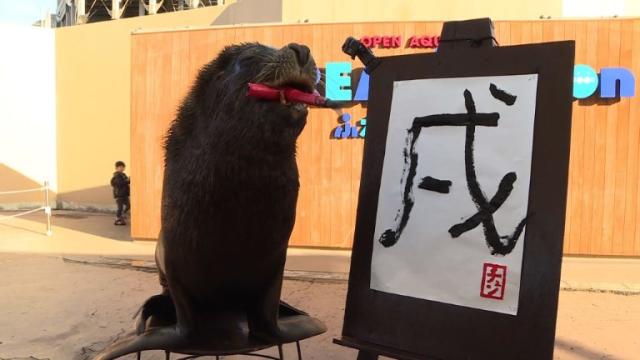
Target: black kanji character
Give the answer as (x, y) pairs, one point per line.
(501, 245)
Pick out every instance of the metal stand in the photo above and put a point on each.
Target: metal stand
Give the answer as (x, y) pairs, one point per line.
(47, 207)
(219, 357)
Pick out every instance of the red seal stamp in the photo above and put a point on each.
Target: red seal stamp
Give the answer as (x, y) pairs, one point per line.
(494, 281)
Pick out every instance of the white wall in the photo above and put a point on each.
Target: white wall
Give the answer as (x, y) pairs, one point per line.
(599, 8)
(27, 102)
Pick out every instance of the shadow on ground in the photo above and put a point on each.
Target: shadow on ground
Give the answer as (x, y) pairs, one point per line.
(99, 224)
(581, 351)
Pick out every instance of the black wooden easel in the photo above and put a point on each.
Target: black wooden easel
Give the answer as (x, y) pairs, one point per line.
(455, 35)
(405, 328)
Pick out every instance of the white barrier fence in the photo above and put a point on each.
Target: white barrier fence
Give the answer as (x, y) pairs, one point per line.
(46, 207)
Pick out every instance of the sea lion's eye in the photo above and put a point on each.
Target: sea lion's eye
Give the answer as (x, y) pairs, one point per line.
(241, 64)
(243, 59)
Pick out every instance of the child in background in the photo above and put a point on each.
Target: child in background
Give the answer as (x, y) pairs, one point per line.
(120, 184)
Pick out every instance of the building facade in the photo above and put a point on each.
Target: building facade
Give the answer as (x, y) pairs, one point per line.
(94, 78)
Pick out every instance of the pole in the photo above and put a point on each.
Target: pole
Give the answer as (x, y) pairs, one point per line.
(153, 7)
(81, 9)
(47, 208)
(115, 9)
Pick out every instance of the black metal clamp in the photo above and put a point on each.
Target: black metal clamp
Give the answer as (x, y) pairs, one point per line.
(356, 48)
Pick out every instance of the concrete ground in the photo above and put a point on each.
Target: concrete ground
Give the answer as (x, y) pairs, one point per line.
(56, 309)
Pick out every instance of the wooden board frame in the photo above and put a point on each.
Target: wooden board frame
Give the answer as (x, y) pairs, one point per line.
(410, 328)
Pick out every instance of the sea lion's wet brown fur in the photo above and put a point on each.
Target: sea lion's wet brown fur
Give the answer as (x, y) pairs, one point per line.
(228, 208)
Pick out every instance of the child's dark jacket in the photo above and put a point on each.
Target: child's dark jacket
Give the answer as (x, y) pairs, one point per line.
(120, 184)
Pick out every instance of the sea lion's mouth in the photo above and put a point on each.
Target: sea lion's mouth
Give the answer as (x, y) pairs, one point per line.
(299, 107)
(300, 83)
(293, 105)
(296, 93)
(296, 83)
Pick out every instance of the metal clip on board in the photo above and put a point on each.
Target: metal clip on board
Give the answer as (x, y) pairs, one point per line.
(355, 48)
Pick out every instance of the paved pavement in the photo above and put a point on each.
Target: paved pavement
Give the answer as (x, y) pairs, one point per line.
(52, 309)
(69, 295)
(78, 234)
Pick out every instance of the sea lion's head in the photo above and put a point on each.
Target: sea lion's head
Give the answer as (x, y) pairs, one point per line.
(219, 96)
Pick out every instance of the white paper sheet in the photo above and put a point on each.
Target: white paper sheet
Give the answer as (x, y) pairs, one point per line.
(426, 261)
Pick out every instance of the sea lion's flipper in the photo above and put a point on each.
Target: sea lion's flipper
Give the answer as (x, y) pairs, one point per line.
(273, 320)
(290, 325)
(299, 327)
(160, 308)
(289, 310)
(155, 339)
(263, 314)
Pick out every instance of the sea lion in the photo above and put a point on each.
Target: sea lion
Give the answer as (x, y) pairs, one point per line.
(228, 208)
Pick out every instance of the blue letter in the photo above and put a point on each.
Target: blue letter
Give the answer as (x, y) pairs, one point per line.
(363, 125)
(338, 81)
(585, 81)
(362, 91)
(609, 78)
(343, 131)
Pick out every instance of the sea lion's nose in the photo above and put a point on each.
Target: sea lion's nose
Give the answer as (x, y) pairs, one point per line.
(302, 53)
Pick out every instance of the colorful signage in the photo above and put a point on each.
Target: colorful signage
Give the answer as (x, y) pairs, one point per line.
(395, 41)
(342, 85)
(348, 130)
(586, 81)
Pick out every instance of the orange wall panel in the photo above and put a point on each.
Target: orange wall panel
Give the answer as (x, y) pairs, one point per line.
(602, 207)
